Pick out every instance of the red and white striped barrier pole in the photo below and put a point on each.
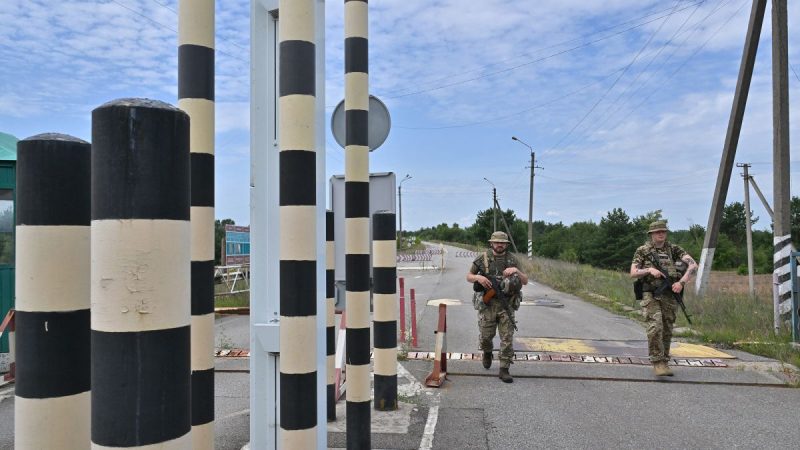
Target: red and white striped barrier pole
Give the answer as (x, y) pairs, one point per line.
(8, 326)
(439, 374)
(413, 320)
(402, 309)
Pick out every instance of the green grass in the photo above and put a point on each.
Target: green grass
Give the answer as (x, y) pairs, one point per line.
(238, 300)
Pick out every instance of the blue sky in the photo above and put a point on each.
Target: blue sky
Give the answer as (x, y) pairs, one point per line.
(625, 102)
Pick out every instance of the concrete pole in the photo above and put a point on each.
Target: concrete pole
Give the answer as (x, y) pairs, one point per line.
(731, 143)
(196, 97)
(763, 199)
(400, 212)
(494, 208)
(749, 230)
(140, 274)
(780, 154)
(357, 244)
(384, 324)
(530, 208)
(52, 292)
(298, 225)
(330, 322)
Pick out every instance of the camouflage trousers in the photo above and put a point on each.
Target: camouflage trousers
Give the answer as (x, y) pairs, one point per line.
(496, 318)
(659, 313)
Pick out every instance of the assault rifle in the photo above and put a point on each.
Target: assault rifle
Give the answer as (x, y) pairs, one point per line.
(667, 284)
(495, 292)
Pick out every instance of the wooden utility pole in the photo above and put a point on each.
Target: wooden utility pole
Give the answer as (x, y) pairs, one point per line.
(731, 142)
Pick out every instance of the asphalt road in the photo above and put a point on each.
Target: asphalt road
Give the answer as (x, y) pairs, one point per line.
(550, 404)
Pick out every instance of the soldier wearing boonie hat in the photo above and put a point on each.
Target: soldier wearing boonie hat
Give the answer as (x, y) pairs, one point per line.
(497, 316)
(660, 309)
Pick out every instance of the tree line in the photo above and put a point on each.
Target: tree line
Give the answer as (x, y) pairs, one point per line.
(610, 244)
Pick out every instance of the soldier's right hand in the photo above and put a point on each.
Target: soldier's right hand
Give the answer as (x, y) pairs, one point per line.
(484, 281)
(655, 272)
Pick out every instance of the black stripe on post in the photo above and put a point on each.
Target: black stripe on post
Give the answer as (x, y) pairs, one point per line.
(202, 287)
(132, 176)
(202, 179)
(356, 268)
(330, 284)
(357, 132)
(383, 226)
(140, 389)
(195, 72)
(356, 55)
(385, 334)
(329, 235)
(384, 280)
(298, 68)
(356, 199)
(385, 392)
(202, 396)
(359, 416)
(297, 183)
(357, 344)
(300, 412)
(53, 180)
(52, 354)
(330, 335)
(298, 281)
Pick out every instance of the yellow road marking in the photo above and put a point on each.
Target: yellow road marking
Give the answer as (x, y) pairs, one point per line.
(684, 350)
(558, 345)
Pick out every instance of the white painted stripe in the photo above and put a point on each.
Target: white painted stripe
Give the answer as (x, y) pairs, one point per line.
(357, 309)
(298, 231)
(358, 383)
(202, 226)
(384, 253)
(782, 240)
(140, 275)
(53, 423)
(330, 365)
(297, 24)
(785, 306)
(330, 312)
(196, 23)
(782, 270)
(385, 361)
(182, 443)
(439, 346)
(203, 436)
(52, 268)
(386, 307)
(203, 342)
(356, 163)
(201, 130)
(356, 23)
(426, 442)
(330, 256)
(356, 236)
(296, 122)
(298, 344)
(299, 439)
(357, 84)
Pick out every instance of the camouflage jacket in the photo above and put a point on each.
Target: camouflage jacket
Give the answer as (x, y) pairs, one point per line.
(669, 257)
(497, 264)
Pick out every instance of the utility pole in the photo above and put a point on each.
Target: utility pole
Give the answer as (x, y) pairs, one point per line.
(505, 224)
(763, 199)
(731, 142)
(530, 200)
(749, 231)
(494, 204)
(780, 155)
(400, 211)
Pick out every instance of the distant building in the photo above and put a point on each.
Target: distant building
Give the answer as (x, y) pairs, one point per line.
(236, 245)
(8, 195)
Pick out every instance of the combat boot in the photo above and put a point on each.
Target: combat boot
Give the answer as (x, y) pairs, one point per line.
(505, 377)
(487, 360)
(660, 368)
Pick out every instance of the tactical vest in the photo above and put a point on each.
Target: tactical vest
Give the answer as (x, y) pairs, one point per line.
(664, 257)
(497, 264)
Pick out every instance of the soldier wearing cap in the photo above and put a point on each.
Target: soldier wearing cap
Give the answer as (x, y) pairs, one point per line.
(497, 315)
(660, 310)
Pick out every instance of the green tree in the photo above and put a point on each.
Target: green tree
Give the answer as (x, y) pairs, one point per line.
(614, 243)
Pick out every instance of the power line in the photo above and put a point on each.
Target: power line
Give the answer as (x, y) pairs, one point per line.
(218, 37)
(510, 69)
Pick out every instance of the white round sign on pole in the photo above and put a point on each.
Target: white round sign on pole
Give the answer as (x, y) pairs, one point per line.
(379, 123)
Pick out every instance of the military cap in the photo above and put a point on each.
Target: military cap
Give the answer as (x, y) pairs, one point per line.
(499, 236)
(658, 225)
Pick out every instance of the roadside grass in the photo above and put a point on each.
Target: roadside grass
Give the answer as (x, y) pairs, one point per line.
(724, 319)
(225, 300)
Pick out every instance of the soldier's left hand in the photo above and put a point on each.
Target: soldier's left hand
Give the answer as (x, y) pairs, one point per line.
(677, 287)
(510, 271)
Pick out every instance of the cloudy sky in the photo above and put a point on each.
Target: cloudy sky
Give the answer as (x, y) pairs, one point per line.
(625, 102)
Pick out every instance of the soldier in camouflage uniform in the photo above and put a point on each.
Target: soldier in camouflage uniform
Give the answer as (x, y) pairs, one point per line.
(499, 313)
(659, 310)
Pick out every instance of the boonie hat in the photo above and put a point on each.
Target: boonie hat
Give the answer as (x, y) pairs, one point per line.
(658, 225)
(499, 236)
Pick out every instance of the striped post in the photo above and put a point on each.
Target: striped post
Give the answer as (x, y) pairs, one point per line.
(51, 407)
(298, 224)
(384, 276)
(356, 193)
(140, 270)
(196, 98)
(330, 323)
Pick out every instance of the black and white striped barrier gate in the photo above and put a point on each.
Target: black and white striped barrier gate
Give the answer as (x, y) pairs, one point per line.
(140, 272)
(52, 293)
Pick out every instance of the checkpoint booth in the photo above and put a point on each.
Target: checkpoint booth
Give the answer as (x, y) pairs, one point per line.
(8, 167)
